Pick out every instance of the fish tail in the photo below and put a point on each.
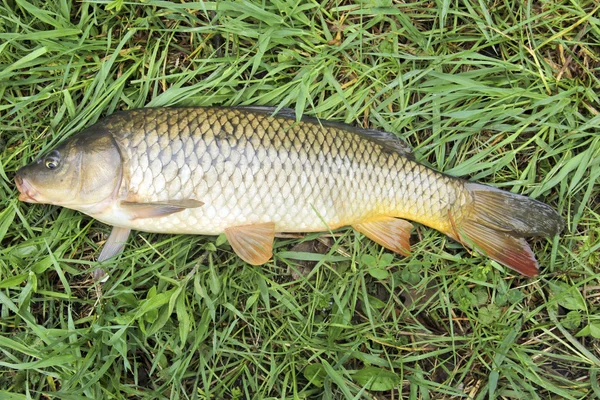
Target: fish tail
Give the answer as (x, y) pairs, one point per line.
(497, 222)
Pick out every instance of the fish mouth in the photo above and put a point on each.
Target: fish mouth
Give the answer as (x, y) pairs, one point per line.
(26, 192)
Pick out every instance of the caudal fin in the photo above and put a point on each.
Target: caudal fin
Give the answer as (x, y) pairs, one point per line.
(499, 221)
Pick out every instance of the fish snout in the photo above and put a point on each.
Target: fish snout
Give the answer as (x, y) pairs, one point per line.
(26, 192)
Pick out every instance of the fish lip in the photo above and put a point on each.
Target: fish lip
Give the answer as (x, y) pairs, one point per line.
(26, 192)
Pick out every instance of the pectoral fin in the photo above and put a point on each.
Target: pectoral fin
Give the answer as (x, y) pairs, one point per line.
(158, 209)
(252, 243)
(114, 246)
(391, 233)
(115, 243)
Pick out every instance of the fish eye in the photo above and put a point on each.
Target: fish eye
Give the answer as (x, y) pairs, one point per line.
(51, 163)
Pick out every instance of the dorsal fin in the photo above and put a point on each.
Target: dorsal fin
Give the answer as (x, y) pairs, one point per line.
(285, 112)
(388, 141)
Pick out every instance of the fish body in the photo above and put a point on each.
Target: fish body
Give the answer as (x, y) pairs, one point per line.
(250, 173)
(250, 168)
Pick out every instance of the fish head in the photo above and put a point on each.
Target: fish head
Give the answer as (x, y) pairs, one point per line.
(83, 171)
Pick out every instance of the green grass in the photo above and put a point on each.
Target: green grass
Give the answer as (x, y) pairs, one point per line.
(501, 92)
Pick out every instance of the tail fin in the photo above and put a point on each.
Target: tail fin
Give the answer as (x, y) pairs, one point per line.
(499, 221)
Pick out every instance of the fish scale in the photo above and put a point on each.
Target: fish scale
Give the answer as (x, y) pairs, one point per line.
(251, 173)
(319, 187)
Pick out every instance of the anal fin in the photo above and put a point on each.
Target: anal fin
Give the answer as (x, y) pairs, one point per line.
(391, 233)
(252, 243)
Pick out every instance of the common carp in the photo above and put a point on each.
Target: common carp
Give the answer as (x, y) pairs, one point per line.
(251, 174)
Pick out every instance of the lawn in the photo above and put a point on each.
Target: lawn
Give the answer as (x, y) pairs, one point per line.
(501, 92)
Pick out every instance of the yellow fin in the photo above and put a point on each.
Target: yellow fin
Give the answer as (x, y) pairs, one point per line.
(158, 209)
(252, 243)
(391, 233)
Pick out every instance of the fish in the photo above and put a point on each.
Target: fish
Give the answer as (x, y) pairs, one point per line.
(254, 173)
